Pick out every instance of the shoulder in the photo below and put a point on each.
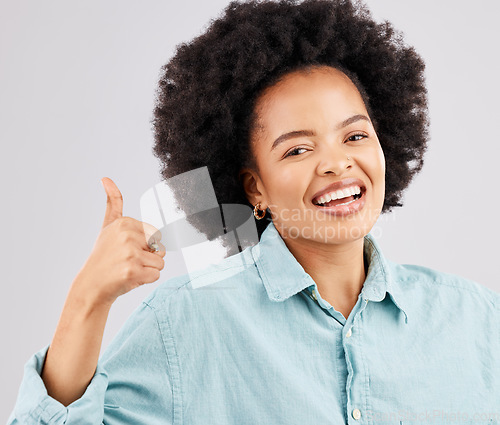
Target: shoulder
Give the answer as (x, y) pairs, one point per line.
(433, 283)
(234, 274)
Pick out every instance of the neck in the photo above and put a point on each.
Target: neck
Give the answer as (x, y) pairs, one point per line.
(337, 269)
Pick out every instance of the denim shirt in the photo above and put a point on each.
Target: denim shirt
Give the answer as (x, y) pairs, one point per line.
(251, 341)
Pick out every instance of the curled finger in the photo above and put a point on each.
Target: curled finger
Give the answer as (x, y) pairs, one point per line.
(156, 246)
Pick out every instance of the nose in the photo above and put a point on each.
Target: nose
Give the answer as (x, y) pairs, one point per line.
(334, 162)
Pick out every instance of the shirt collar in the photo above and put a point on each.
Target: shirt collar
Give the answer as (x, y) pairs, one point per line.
(283, 276)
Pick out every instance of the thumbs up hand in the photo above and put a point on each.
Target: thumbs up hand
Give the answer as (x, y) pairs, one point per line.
(114, 204)
(121, 258)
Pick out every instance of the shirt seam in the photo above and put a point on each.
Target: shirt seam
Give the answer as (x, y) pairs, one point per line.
(175, 396)
(188, 279)
(440, 282)
(339, 363)
(209, 273)
(366, 401)
(41, 411)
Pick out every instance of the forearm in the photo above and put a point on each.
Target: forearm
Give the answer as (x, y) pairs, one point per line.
(74, 351)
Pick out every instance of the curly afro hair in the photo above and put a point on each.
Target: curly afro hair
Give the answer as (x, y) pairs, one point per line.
(204, 111)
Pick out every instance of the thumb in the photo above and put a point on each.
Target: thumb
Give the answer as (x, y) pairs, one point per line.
(114, 205)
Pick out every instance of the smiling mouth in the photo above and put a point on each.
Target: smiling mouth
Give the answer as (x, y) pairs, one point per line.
(346, 198)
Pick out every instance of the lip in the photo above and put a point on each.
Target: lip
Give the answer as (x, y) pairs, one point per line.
(343, 210)
(342, 184)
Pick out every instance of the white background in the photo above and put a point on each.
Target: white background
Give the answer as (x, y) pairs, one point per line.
(77, 83)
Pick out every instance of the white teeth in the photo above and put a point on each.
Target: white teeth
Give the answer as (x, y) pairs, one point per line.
(346, 203)
(342, 193)
(339, 194)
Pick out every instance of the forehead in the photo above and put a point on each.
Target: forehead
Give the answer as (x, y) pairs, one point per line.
(300, 95)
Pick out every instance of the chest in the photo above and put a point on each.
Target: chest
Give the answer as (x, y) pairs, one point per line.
(298, 365)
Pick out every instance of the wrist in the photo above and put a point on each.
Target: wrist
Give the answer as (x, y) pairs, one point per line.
(83, 295)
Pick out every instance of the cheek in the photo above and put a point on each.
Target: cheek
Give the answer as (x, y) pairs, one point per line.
(285, 183)
(380, 161)
(373, 163)
(377, 160)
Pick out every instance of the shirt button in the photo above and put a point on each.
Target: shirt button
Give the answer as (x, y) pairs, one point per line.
(314, 294)
(356, 414)
(348, 333)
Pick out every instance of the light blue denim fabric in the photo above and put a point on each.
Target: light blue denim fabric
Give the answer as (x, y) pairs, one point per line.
(251, 341)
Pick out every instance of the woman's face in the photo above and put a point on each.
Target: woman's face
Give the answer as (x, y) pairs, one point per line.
(313, 131)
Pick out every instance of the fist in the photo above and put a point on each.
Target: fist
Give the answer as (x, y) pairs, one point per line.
(121, 258)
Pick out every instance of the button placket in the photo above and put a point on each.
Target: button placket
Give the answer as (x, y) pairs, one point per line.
(356, 414)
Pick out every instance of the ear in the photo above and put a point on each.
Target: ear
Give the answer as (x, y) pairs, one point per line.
(252, 184)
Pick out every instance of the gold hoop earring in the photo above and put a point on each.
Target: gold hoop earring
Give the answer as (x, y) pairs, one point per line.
(257, 212)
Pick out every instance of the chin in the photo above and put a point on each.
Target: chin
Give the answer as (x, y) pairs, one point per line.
(327, 233)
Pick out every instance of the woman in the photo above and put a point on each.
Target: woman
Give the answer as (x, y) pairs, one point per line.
(316, 116)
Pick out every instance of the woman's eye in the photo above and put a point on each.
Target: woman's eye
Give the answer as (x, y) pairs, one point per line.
(295, 152)
(356, 137)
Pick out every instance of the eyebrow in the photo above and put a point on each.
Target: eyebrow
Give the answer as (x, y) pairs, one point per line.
(309, 133)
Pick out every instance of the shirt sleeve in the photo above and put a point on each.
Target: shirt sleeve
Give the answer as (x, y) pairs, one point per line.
(131, 383)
